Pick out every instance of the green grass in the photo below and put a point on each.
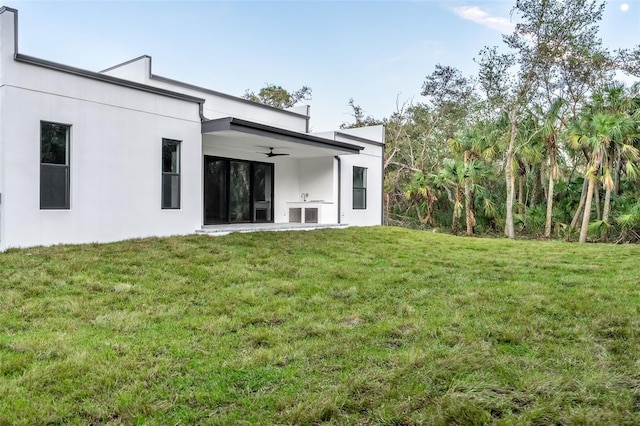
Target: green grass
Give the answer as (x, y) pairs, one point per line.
(356, 326)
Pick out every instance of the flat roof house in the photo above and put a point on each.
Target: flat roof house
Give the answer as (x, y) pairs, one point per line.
(124, 153)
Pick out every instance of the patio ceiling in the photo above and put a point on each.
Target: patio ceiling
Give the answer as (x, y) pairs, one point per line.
(243, 135)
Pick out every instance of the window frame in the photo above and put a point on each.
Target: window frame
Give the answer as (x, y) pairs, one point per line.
(167, 204)
(362, 189)
(66, 166)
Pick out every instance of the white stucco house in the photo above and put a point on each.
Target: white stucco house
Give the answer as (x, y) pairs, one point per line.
(124, 153)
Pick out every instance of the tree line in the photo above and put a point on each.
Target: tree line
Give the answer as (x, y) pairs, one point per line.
(542, 142)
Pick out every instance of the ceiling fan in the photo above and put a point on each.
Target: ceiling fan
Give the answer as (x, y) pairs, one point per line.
(271, 153)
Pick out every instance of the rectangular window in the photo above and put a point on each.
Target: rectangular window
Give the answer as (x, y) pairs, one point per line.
(54, 166)
(170, 174)
(359, 187)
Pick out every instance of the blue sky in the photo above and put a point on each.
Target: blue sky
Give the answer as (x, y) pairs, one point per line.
(376, 52)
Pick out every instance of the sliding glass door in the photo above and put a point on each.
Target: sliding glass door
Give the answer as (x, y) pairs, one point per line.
(216, 174)
(262, 192)
(237, 191)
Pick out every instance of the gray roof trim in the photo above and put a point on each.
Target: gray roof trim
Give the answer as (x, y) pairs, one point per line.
(359, 139)
(167, 80)
(223, 95)
(244, 126)
(19, 57)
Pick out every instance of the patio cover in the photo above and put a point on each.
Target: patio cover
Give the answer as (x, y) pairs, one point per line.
(257, 137)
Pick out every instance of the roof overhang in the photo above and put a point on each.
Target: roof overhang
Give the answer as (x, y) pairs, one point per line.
(251, 136)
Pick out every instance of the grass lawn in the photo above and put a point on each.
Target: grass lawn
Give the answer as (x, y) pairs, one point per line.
(356, 326)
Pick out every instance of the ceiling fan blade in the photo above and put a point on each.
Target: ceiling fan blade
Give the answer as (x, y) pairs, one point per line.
(273, 154)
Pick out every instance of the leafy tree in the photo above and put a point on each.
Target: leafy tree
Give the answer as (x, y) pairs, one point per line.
(278, 97)
(359, 119)
(628, 60)
(450, 93)
(416, 139)
(549, 35)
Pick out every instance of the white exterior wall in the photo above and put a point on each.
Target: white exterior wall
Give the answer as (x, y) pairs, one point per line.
(316, 178)
(287, 188)
(115, 157)
(371, 159)
(115, 189)
(6, 35)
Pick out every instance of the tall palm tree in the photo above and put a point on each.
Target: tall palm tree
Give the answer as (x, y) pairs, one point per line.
(451, 178)
(420, 194)
(474, 146)
(602, 134)
(549, 133)
(621, 151)
(617, 109)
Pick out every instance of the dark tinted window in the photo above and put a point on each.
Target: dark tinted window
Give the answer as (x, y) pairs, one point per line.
(54, 143)
(359, 187)
(54, 166)
(170, 174)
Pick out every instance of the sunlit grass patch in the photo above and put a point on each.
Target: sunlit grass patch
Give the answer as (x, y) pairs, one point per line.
(355, 326)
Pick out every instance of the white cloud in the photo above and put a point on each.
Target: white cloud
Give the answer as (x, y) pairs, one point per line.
(479, 16)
